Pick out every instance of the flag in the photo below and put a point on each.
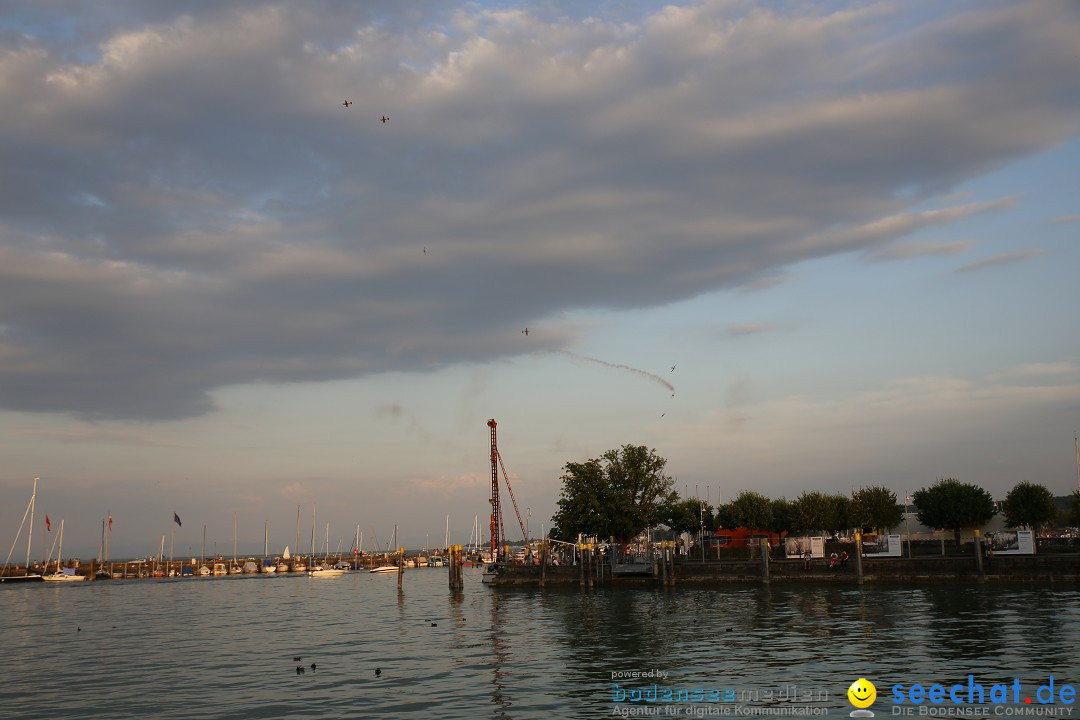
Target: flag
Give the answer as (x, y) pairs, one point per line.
(176, 519)
(110, 522)
(48, 525)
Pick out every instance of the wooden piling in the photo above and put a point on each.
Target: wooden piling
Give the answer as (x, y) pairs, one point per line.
(764, 561)
(543, 560)
(978, 545)
(400, 566)
(858, 558)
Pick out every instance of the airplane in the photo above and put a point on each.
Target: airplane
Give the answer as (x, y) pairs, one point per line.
(672, 368)
(385, 118)
(526, 331)
(347, 103)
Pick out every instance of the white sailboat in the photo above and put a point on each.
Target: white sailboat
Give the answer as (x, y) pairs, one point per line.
(62, 574)
(321, 570)
(27, 576)
(388, 568)
(268, 566)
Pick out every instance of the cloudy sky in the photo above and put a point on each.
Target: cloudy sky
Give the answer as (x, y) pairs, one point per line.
(791, 246)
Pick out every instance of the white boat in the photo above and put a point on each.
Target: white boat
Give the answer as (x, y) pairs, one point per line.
(250, 568)
(204, 571)
(489, 573)
(323, 572)
(62, 574)
(27, 576)
(220, 569)
(384, 569)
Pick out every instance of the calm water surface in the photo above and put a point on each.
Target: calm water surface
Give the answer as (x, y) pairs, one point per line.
(224, 647)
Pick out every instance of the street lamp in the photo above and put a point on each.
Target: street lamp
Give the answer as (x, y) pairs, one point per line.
(907, 522)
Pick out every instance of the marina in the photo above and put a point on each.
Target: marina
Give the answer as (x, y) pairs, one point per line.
(76, 652)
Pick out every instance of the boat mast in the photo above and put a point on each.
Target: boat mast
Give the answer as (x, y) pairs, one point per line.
(234, 539)
(446, 537)
(1076, 449)
(266, 524)
(312, 561)
(60, 551)
(202, 553)
(30, 535)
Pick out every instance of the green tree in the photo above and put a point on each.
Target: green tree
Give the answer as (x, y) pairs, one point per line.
(950, 504)
(684, 516)
(1072, 515)
(785, 516)
(751, 510)
(618, 495)
(817, 511)
(724, 518)
(1029, 505)
(876, 507)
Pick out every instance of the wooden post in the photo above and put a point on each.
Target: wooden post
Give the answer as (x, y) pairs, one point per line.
(978, 556)
(764, 560)
(400, 566)
(858, 558)
(543, 561)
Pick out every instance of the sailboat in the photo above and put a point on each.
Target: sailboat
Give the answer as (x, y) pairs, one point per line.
(27, 576)
(235, 568)
(322, 570)
(102, 573)
(268, 566)
(388, 568)
(62, 574)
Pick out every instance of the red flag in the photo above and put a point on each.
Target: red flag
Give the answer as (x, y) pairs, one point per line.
(48, 525)
(110, 522)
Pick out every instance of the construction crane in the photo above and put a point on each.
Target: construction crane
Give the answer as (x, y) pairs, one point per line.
(498, 532)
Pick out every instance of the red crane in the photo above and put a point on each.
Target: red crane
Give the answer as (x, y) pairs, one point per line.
(497, 531)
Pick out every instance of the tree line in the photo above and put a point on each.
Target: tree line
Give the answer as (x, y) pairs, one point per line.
(625, 491)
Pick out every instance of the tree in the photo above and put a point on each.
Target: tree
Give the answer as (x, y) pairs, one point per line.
(784, 516)
(818, 511)
(751, 510)
(618, 495)
(684, 516)
(952, 505)
(1072, 515)
(876, 507)
(1029, 505)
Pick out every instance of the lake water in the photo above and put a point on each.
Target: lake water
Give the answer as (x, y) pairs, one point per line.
(224, 647)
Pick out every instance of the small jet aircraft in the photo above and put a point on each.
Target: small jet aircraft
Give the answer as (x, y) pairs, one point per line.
(347, 103)
(526, 331)
(384, 118)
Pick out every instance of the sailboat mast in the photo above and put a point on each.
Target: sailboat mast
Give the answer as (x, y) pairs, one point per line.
(1076, 449)
(312, 534)
(446, 538)
(30, 535)
(266, 525)
(234, 539)
(60, 551)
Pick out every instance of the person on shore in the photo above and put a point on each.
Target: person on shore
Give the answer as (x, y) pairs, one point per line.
(834, 559)
(843, 559)
(806, 556)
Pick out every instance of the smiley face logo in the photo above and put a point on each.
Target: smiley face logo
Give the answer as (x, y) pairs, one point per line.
(862, 693)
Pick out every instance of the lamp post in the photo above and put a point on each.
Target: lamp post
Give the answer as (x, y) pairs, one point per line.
(907, 522)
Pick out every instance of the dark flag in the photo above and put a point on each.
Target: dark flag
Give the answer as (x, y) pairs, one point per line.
(48, 525)
(176, 519)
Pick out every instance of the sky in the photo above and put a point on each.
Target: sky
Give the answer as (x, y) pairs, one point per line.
(790, 246)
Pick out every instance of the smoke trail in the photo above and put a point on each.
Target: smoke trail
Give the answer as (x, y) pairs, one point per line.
(642, 373)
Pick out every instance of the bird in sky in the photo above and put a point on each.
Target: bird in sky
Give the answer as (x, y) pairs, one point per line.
(672, 368)
(526, 331)
(347, 103)
(385, 118)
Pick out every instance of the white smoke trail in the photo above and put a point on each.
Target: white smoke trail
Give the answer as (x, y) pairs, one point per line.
(636, 371)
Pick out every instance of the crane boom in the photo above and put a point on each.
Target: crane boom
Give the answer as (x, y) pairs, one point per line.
(498, 532)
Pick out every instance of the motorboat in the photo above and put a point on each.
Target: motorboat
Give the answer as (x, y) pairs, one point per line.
(384, 569)
(320, 571)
